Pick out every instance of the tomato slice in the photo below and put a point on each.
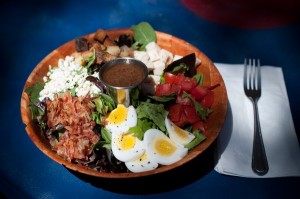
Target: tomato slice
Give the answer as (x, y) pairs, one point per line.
(175, 112)
(179, 78)
(208, 99)
(177, 115)
(167, 89)
(183, 101)
(188, 84)
(191, 114)
(175, 88)
(202, 126)
(182, 115)
(163, 89)
(183, 120)
(169, 78)
(199, 92)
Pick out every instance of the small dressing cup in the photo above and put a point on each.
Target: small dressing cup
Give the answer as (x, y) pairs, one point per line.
(122, 77)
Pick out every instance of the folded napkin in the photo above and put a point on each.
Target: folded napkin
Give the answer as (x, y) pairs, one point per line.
(234, 151)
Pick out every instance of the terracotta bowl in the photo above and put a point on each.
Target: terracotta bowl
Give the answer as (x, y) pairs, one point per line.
(166, 41)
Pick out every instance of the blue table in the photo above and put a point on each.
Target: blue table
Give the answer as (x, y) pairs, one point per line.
(32, 29)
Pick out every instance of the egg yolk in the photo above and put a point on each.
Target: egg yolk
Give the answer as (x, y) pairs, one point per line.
(118, 115)
(180, 132)
(164, 147)
(127, 142)
(142, 158)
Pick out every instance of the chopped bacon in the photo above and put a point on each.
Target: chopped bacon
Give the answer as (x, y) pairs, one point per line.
(74, 113)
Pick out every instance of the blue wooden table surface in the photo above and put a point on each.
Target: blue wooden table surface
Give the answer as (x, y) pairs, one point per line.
(32, 29)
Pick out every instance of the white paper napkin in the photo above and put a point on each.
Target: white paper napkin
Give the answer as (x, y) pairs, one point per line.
(278, 132)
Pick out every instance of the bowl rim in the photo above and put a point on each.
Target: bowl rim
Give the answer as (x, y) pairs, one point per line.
(40, 142)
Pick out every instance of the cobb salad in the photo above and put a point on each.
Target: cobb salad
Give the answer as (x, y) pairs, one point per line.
(85, 126)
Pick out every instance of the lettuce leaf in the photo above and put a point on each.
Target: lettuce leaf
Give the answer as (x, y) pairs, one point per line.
(143, 34)
(149, 116)
(199, 137)
(156, 113)
(34, 94)
(104, 104)
(142, 126)
(34, 91)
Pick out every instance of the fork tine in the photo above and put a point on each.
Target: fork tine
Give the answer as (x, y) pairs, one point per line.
(249, 73)
(252, 74)
(258, 75)
(245, 74)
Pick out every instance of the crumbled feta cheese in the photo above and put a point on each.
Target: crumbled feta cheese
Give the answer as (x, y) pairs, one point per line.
(154, 57)
(152, 46)
(149, 65)
(159, 67)
(166, 56)
(69, 74)
(153, 51)
(198, 62)
(176, 57)
(141, 55)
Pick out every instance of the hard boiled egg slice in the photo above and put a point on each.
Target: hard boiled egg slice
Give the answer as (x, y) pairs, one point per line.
(121, 119)
(178, 134)
(161, 148)
(142, 163)
(126, 147)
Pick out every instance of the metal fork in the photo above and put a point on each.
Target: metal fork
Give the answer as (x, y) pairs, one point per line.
(252, 88)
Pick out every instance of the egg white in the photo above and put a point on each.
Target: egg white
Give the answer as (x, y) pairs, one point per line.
(121, 119)
(161, 148)
(142, 163)
(126, 147)
(177, 134)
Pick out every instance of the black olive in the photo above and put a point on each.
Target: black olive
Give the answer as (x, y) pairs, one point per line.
(125, 40)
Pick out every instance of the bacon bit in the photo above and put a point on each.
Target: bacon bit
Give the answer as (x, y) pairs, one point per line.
(74, 113)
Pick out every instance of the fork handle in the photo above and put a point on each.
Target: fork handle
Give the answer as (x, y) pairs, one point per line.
(259, 159)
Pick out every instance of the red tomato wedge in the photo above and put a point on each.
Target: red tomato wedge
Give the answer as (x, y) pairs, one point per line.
(183, 101)
(175, 114)
(208, 99)
(178, 79)
(202, 126)
(167, 89)
(185, 83)
(163, 89)
(182, 115)
(188, 84)
(199, 92)
(169, 78)
(191, 114)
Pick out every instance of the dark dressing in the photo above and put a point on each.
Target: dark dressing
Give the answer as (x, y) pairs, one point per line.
(123, 75)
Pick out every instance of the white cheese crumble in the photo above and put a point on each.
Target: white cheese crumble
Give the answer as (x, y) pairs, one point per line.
(156, 58)
(68, 75)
